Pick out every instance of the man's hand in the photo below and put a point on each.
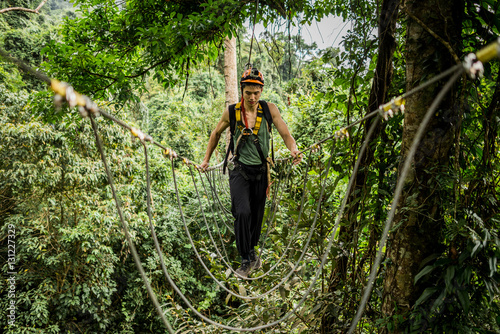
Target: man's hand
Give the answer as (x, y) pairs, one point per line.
(297, 156)
(203, 166)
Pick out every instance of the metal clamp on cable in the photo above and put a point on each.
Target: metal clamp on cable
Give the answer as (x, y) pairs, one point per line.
(473, 63)
(66, 92)
(170, 153)
(70, 96)
(473, 66)
(341, 134)
(391, 108)
(138, 133)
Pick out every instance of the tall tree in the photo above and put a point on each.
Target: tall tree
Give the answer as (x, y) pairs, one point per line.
(420, 217)
(230, 71)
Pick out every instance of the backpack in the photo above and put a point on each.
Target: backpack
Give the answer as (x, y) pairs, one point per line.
(235, 120)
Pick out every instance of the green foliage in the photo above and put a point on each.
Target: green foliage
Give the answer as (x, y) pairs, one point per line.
(118, 45)
(23, 35)
(71, 258)
(462, 292)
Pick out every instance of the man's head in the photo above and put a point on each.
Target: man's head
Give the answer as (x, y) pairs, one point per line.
(252, 76)
(251, 83)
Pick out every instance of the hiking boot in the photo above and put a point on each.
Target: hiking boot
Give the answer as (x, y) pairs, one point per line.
(255, 261)
(244, 269)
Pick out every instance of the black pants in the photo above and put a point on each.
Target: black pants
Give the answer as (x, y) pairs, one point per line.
(248, 186)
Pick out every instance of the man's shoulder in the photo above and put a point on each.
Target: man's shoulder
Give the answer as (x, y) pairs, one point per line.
(268, 104)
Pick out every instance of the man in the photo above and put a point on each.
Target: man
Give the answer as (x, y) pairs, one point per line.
(248, 179)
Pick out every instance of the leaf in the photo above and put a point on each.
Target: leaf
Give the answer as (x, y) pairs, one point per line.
(242, 290)
(282, 292)
(463, 297)
(425, 295)
(448, 276)
(439, 301)
(423, 272)
(492, 261)
(476, 247)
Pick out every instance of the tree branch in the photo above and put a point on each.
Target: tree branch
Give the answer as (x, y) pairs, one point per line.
(21, 9)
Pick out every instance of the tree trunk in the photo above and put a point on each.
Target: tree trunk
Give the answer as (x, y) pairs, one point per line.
(230, 76)
(378, 95)
(420, 213)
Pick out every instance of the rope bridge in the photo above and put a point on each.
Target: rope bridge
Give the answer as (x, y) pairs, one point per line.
(213, 186)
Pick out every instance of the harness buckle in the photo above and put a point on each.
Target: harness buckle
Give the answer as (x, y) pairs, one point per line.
(247, 132)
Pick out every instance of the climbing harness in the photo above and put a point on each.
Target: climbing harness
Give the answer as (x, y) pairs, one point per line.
(236, 120)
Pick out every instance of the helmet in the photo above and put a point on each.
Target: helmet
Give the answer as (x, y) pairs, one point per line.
(252, 75)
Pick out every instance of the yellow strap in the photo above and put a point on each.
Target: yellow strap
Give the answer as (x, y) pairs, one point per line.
(258, 121)
(237, 111)
(239, 123)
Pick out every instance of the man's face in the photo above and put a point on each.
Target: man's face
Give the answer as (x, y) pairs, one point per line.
(251, 94)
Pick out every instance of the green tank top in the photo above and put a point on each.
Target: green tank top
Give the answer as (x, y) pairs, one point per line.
(248, 153)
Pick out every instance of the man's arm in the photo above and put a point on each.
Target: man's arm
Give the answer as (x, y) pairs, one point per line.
(214, 138)
(282, 128)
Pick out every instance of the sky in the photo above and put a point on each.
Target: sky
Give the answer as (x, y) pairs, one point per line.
(326, 33)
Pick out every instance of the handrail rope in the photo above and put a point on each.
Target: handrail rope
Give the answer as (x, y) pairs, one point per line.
(25, 67)
(218, 166)
(398, 192)
(385, 110)
(131, 245)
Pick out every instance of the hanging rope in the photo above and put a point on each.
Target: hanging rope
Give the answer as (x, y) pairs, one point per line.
(253, 34)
